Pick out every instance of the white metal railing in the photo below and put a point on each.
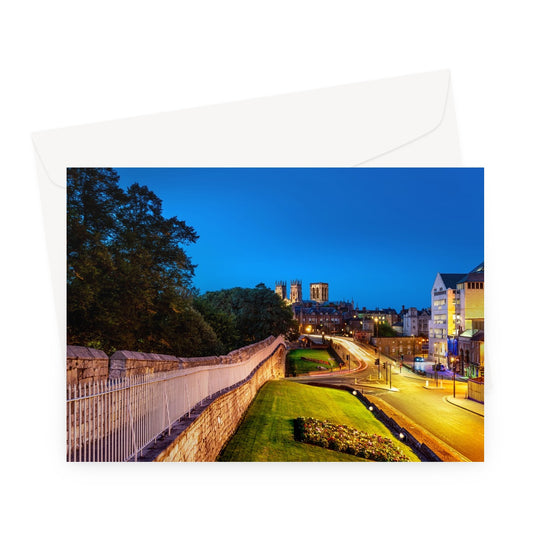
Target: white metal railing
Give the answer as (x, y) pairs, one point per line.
(114, 420)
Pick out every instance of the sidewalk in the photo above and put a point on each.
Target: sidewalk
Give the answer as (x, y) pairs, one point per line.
(463, 403)
(469, 405)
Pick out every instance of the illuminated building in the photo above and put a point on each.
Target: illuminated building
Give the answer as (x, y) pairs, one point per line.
(457, 320)
(319, 319)
(296, 291)
(443, 296)
(470, 301)
(468, 343)
(319, 292)
(281, 289)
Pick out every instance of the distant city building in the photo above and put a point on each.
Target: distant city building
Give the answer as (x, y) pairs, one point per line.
(398, 328)
(470, 301)
(441, 325)
(396, 347)
(410, 322)
(415, 322)
(319, 292)
(281, 289)
(362, 324)
(296, 291)
(424, 316)
(457, 320)
(468, 342)
(368, 318)
(471, 353)
(319, 319)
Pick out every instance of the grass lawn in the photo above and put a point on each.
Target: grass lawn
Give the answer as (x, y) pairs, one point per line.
(298, 366)
(267, 431)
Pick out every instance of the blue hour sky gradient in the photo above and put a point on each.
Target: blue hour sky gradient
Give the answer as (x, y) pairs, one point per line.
(377, 236)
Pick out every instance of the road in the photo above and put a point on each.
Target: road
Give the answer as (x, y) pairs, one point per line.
(457, 427)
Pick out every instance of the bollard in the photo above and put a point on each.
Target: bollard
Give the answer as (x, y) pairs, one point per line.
(427, 383)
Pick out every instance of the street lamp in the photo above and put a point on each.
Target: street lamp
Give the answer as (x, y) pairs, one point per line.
(377, 351)
(452, 360)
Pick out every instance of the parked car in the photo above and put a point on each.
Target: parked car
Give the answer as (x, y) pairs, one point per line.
(439, 368)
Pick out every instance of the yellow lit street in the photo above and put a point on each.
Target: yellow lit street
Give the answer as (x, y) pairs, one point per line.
(434, 409)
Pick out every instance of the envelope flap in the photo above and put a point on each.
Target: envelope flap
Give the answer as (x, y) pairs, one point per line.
(365, 119)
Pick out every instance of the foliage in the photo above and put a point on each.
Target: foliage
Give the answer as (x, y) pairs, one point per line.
(223, 324)
(128, 277)
(347, 439)
(243, 316)
(385, 330)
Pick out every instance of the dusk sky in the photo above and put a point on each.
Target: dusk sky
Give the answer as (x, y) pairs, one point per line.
(377, 236)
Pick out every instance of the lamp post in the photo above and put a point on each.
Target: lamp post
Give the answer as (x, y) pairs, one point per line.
(452, 360)
(377, 351)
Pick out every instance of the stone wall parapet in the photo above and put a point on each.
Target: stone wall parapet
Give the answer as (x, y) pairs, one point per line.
(125, 364)
(86, 365)
(202, 436)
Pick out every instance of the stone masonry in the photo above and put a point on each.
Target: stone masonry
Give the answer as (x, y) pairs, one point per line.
(86, 365)
(202, 438)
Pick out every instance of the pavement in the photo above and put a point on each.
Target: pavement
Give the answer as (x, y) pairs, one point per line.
(464, 403)
(469, 405)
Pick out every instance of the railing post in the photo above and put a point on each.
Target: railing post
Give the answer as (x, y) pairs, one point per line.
(168, 411)
(131, 426)
(188, 398)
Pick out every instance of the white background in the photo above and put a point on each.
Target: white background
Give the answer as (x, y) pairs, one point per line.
(68, 63)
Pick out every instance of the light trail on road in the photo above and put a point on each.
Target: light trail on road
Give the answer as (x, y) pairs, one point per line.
(427, 406)
(361, 355)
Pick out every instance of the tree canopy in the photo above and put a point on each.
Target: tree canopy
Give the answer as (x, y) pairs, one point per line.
(242, 316)
(385, 330)
(128, 277)
(129, 280)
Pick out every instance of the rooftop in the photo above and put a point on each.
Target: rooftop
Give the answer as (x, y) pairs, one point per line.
(479, 268)
(451, 280)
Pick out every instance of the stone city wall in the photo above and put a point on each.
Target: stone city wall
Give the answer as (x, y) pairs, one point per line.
(340, 352)
(212, 426)
(88, 365)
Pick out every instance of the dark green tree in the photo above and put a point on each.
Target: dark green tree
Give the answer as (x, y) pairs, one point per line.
(385, 330)
(256, 313)
(128, 277)
(93, 201)
(224, 324)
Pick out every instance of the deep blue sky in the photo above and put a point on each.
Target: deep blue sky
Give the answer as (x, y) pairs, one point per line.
(377, 236)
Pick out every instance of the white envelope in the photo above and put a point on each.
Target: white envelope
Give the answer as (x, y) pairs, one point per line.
(404, 121)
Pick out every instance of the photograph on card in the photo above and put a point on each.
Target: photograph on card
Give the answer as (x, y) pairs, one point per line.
(275, 314)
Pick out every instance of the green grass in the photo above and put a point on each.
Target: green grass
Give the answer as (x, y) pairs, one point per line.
(267, 431)
(297, 366)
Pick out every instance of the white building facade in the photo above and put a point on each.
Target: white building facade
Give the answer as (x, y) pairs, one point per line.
(442, 323)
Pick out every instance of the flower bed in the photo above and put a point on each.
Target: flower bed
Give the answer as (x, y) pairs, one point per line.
(348, 440)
